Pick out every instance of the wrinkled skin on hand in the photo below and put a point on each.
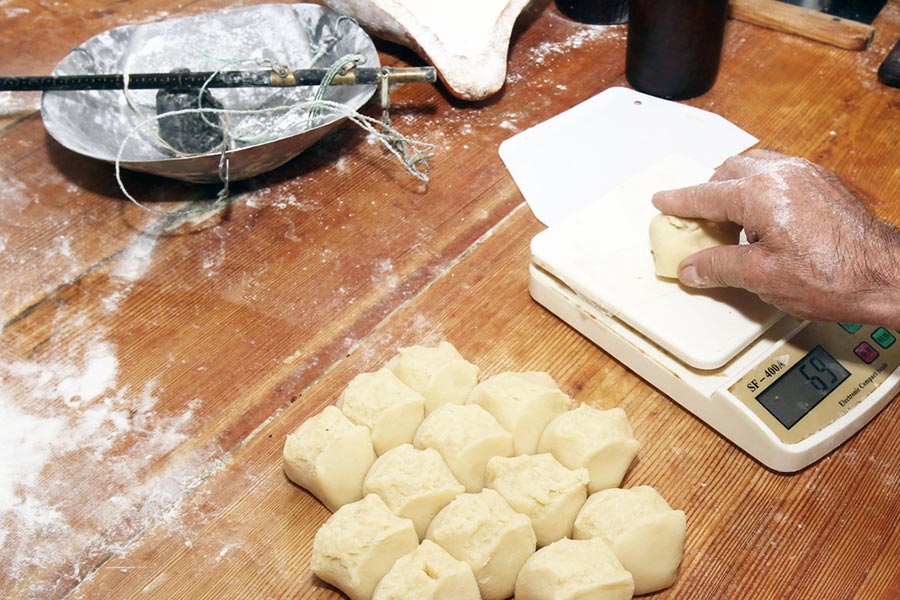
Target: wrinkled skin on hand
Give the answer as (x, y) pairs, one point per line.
(814, 251)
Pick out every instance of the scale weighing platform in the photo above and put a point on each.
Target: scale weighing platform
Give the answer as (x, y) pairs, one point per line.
(784, 390)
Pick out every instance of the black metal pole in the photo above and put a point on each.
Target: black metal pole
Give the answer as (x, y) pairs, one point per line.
(223, 79)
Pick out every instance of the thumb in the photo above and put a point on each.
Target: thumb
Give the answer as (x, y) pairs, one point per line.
(722, 266)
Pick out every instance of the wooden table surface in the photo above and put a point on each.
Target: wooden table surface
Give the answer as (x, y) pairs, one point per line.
(150, 368)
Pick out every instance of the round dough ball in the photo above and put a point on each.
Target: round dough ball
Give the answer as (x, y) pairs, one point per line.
(440, 373)
(329, 456)
(467, 436)
(539, 487)
(602, 441)
(415, 484)
(388, 407)
(428, 573)
(484, 531)
(672, 239)
(574, 570)
(359, 544)
(523, 403)
(641, 528)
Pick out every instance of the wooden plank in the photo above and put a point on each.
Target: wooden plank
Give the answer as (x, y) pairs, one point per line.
(805, 22)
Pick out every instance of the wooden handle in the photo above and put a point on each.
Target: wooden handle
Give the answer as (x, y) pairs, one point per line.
(803, 22)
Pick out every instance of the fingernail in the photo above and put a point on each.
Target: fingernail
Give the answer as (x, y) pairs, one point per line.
(689, 276)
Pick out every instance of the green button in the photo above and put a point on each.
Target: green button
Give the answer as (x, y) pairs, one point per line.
(850, 327)
(883, 337)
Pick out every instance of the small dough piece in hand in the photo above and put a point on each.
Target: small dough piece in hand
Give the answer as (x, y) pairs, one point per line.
(641, 528)
(329, 456)
(388, 407)
(673, 239)
(523, 403)
(574, 570)
(539, 487)
(428, 573)
(602, 441)
(440, 373)
(415, 484)
(359, 544)
(467, 436)
(483, 530)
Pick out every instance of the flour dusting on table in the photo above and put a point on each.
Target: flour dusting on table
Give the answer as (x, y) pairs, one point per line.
(90, 458)
(540, 53)
(12, 103)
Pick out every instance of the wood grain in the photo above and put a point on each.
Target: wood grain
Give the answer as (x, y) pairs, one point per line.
(219, 336)
(806, 22)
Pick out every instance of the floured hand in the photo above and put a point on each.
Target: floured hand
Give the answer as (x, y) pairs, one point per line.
(814, 251)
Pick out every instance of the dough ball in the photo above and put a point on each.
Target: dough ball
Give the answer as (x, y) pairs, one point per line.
(415, 484)
(428, 573)
(388, 407)
(539, 487)
(359, 544)
(523, 403)
(467, 436)
(602, 441)
(672, 239)
(484, 531)
(440, 373)
(574, 570)
(329, 456)
(641, 528)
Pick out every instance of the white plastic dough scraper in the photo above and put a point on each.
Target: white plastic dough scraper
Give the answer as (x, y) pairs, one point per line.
(786, 391)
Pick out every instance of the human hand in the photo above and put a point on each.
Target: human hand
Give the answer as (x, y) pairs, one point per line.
(814, 250)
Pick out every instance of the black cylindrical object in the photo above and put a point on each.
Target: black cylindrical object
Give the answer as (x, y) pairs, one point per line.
(595, 12)
(674, 46)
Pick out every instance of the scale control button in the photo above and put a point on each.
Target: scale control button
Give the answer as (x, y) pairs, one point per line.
(883, 337)
(850, 327)
(866, 352)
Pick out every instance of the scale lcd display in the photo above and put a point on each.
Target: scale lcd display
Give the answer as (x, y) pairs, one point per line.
(803, 386)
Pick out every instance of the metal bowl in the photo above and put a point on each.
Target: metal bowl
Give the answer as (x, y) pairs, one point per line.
(95, 123)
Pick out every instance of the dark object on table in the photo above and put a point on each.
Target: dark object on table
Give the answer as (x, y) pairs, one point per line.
(889, 71)
(195, 132)
(674, 47)
(215, 79)
(595, 12)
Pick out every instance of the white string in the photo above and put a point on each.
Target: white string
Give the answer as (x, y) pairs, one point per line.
(411, 153)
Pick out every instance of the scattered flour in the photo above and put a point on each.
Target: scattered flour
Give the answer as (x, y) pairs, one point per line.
(72, 382)
(88, 462)
(581, 36)
(12, 103)
(69, 494)
(14, 196)
(135, 258)
(13, 12)
(384, 275)
(280, 199)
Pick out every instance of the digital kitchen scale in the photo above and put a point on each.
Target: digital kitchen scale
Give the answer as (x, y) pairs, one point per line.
(784, 390)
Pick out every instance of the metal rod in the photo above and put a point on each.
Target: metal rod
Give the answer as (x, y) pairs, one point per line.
(223, 79)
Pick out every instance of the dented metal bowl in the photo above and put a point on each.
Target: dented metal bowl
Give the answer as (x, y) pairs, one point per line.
(95, 123)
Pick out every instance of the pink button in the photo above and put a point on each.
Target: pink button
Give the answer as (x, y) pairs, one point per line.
(866, 352)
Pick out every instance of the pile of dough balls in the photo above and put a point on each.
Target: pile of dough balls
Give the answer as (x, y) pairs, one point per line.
(444, 487)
